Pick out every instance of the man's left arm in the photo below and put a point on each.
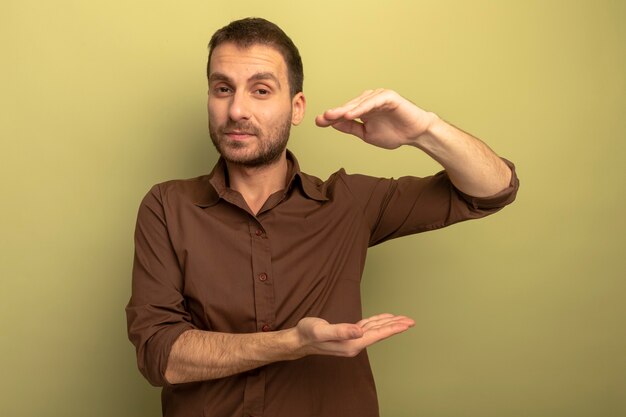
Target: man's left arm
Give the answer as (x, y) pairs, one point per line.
(385, 119)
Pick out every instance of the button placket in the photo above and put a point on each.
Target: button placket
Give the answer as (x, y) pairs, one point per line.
(262, 275)
(264, 307)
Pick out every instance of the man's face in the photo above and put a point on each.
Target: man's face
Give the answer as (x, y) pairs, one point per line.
(250, 107)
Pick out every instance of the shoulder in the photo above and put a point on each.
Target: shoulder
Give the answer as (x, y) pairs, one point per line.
(341, 183)
(181, 191)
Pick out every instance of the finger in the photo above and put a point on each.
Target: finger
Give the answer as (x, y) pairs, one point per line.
(400, 325)
(329, 117)
(378, 101)
(372, 336)
(338, 112)
(322, 121)
(376, 317)
(380, 319)
(389, 321)
(366, 95)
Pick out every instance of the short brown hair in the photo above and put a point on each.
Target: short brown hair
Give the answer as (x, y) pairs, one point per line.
(255, 30)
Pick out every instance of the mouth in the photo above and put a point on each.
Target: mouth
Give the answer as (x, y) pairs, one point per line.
(239, 135)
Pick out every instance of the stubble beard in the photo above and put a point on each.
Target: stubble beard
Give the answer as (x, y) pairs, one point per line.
(270, 146)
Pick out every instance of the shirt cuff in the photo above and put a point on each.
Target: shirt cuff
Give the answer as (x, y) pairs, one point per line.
(158, 350)
(499, 200)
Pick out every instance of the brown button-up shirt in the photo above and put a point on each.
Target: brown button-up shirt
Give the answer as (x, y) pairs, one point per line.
(204, 261)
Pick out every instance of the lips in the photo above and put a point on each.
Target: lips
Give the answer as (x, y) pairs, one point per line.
(236, 134)
(240, 131)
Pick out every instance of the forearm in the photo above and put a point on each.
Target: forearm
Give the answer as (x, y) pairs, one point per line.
(471, 165)
(200, 355)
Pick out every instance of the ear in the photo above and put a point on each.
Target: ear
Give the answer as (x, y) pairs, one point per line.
(298, 106)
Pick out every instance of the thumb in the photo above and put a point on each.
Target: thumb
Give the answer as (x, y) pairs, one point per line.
(342, 331)
(351, 127)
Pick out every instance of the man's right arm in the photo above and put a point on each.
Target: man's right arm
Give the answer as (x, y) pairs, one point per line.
(170, 347)
(200, 355)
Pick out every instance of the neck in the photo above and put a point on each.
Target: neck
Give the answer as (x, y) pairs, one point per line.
(258, 183)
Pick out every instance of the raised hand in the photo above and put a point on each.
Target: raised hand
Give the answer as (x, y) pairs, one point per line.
(380, 117)
(318, 337)
(385, 119)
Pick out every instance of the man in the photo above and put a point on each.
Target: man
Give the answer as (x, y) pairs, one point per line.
(246, 294)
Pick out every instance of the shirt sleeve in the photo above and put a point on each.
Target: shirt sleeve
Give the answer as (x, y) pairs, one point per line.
(156, 313)
(398, 207)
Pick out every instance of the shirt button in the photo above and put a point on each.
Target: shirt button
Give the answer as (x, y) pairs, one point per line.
(266, 328)
(263, 276)
(259, 232)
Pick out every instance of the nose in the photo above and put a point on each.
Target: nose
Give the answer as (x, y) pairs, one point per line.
(239, 107)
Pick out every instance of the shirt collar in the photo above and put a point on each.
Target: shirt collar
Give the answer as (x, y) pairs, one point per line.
(217, 183)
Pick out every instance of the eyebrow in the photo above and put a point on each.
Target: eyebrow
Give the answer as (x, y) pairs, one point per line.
(259, 76)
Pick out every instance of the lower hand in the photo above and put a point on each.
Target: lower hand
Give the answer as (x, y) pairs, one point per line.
(318, 337)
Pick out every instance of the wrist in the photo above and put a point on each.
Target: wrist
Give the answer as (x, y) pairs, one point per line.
(435, 138)
(293, 343)
(431, 125)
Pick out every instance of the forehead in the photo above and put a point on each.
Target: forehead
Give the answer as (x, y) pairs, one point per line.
(235, 61)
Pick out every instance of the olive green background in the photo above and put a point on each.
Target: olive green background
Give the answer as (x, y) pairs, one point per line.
(520, 314)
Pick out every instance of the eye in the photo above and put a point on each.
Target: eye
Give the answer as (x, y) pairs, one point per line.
(262, 91)
(222, 90)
